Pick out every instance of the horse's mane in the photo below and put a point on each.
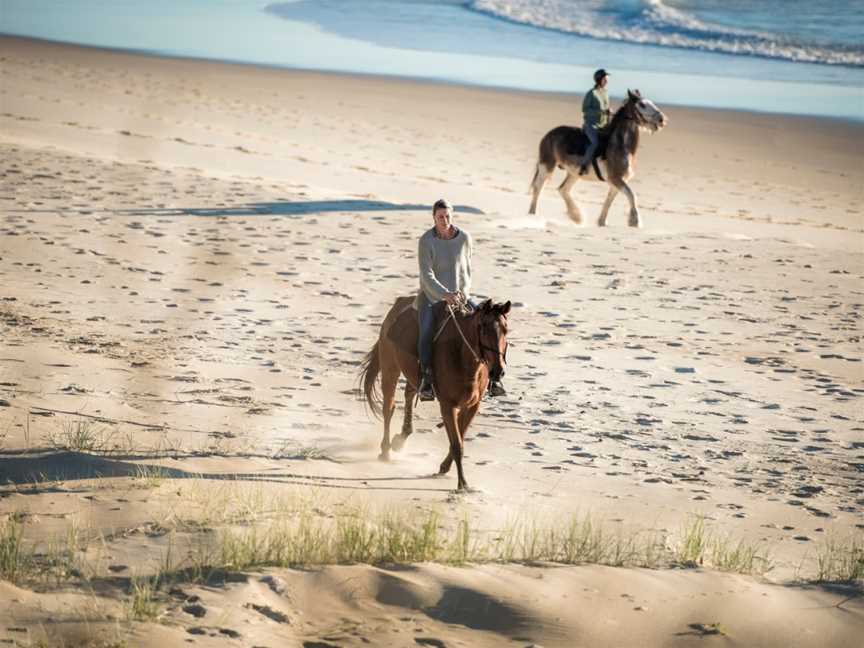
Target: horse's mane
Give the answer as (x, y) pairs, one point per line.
(615, 134)
(619, 116)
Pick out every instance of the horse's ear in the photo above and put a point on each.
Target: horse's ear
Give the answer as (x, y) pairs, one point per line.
(486, 306)
(637, 93)
(630, 94)
(504, 308)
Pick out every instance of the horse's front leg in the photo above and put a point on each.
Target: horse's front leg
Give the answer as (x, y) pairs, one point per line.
(465, 417)
(624, 188)
(408, 421)
(450, 415)
(604, 213)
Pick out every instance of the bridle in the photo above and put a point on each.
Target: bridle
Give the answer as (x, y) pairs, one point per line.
(481, 358)
(496, 351)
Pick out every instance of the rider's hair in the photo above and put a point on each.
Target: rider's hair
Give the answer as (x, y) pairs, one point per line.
(442, 203)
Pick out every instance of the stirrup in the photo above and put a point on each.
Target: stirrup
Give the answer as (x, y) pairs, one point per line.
(426, 391)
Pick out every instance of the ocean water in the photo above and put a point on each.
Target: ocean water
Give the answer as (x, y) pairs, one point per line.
(787, 56)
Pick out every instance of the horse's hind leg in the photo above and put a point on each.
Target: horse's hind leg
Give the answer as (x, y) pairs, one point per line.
(445, 465)
(573, 210)
(540, 177)
(408, 421)
(389, 378)
(604, 213)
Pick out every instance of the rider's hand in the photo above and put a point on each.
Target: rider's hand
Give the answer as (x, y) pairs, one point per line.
(452, 298)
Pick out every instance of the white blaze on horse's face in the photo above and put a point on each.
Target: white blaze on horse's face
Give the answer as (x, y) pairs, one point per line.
(650, 116)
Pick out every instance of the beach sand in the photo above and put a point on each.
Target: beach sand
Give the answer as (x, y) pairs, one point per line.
(195, 258)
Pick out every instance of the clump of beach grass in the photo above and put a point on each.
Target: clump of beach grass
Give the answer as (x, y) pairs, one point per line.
(142, 604)
(699, 545)
(149, 477)
(840, 559)
(81, 435)
(54, 560)
(13, 558)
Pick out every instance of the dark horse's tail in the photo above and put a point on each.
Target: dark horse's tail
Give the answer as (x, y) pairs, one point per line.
(369, 378)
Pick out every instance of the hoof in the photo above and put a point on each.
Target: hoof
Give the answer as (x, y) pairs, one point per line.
(397, 442)
(384, 456)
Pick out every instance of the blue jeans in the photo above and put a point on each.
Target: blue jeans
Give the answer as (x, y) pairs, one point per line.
(590, 131)
(426, 319)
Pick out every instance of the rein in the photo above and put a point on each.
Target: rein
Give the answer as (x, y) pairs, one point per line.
(462, 335)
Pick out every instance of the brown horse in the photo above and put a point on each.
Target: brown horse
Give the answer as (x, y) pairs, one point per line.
(470, 348)
(563, 147)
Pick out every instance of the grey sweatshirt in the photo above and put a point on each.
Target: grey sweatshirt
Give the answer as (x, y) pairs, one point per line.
(445, 265)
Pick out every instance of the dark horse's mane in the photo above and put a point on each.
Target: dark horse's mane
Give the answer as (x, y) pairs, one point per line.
(613, 129)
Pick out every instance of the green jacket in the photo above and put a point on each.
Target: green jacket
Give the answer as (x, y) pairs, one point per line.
(595, 107)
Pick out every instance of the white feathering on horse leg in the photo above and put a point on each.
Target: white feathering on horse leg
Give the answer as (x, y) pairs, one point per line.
(604, 213)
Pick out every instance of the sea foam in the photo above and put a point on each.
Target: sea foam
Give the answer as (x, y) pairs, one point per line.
(651, 22)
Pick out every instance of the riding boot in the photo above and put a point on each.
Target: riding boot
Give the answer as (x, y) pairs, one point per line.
(426, 390)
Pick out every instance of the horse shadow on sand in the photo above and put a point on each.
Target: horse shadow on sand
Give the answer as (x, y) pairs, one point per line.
(40, 472)
(290, 209)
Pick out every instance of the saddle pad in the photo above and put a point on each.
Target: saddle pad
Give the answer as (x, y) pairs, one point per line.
(576, 142)
(403, 333)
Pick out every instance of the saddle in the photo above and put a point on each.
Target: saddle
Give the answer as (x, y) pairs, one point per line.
(576, 143)
(405, 330)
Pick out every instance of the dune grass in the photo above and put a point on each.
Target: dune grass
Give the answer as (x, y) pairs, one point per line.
(699, 545)
(361, 536)
(142, 604)
(840, 559)
(81, 435)
(242, 529)
(13, 559)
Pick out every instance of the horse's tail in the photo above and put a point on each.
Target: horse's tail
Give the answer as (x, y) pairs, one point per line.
(368, 388)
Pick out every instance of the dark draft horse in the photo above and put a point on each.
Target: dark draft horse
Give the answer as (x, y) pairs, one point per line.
(470, 348)
(615, 160)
